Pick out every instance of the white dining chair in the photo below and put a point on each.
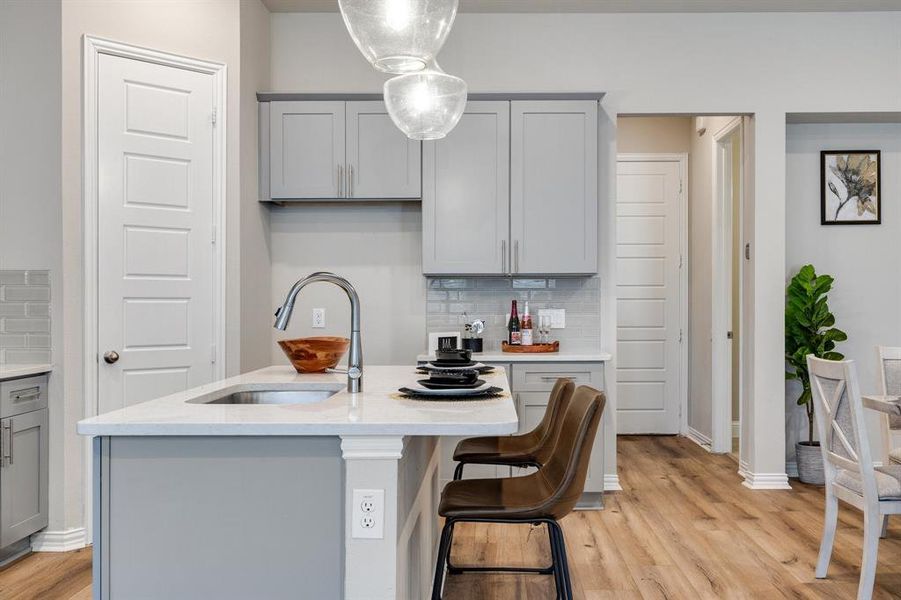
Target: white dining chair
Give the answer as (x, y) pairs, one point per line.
(848, 464)
(890, 377)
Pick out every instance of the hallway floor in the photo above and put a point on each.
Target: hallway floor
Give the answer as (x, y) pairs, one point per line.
(684, 527)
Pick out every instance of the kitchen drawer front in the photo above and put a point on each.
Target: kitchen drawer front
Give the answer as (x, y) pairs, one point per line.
(20, 396)
(542, 377)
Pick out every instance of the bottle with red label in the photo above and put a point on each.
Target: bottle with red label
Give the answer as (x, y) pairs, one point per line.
(514, 333)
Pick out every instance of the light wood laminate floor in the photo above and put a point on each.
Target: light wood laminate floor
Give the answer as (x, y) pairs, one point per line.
(684, 527)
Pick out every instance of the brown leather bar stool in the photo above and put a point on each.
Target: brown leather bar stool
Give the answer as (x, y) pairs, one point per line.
(531, 449)
(542, 497)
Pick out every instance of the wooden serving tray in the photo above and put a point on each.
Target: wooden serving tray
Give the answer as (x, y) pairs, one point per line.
(534, 348)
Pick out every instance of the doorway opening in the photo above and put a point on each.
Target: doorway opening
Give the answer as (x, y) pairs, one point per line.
(680, 277)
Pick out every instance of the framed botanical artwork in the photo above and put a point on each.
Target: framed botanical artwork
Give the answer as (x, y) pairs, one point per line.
(850, 187)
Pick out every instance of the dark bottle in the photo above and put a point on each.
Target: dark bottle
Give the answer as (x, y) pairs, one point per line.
(514, 334)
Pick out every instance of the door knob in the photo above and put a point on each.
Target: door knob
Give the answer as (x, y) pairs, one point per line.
(111, 356)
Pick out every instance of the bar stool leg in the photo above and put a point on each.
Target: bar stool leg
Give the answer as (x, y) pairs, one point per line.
(443, 554)
(458, 471)
(563, 563)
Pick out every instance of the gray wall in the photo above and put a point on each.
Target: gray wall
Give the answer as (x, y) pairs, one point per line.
(378, 248)
(31, 191)
(863, 258)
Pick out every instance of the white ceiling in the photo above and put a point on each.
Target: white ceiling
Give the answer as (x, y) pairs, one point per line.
(623, 6)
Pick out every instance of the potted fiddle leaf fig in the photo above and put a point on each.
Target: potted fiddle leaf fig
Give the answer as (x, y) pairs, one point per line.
(809, 329)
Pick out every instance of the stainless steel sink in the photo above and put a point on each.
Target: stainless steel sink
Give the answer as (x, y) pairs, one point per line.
(272, 397)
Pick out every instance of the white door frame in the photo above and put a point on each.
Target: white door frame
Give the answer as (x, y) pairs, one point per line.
(721, 308)
(93, 48)
(682, 159)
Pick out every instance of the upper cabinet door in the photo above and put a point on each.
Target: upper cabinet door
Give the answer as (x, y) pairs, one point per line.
(306, 146)
(382, 162)
(554, 187)
(465, 195)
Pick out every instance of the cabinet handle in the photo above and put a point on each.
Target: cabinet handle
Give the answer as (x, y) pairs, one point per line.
(8, 442)
(516, 256)
(350, 181)
(340, 181)
(503, 256)
(29, 394)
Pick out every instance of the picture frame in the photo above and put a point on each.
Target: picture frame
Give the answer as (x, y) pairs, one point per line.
(850, 187)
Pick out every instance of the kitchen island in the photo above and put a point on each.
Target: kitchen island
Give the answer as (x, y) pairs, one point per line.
(195, 498)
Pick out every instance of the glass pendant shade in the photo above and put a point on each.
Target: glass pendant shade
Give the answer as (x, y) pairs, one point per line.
(425, 105)
(399, 36)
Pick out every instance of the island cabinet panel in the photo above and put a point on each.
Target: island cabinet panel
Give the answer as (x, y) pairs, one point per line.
(466, 199)
(554, 186)
(531, 385)
(218, 517)
(336, 150)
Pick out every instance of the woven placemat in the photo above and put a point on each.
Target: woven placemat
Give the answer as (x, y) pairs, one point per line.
(491, 393)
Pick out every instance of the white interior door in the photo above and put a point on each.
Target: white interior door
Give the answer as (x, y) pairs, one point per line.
(156, 274)
(648, 284)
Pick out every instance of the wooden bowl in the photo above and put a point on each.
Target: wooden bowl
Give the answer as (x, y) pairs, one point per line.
(315, 354)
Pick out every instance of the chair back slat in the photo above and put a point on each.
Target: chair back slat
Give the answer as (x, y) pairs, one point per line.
(890, 378)
(840, 422)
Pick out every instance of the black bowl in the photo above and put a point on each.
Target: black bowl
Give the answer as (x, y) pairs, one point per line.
(464, 377)
(455, 355)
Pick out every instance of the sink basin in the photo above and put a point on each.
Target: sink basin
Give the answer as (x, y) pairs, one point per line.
(272, 397)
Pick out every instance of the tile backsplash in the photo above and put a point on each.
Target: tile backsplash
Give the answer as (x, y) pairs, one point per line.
(24, 317)
(488, 298)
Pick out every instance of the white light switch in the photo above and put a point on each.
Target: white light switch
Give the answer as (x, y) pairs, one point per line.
(318, 318)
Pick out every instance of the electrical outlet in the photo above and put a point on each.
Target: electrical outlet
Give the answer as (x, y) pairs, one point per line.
(368, 514)
(318, 318)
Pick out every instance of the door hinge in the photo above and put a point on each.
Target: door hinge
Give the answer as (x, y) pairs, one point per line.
(213, 353)
(680, 336)
(213, 235)
(680, 261)
(680, 185)
(213, 116)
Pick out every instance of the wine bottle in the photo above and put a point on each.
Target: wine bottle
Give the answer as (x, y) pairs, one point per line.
(526, 327)
(514, 334)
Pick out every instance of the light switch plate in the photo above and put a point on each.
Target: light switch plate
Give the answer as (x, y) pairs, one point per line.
(368, 514)
(557, 315)
(318, 318)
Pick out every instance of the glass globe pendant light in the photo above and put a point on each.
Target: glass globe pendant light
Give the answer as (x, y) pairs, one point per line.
(399, 36)
(425, 105)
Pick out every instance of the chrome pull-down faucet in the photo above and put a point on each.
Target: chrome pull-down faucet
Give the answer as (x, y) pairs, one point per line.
(355, 354)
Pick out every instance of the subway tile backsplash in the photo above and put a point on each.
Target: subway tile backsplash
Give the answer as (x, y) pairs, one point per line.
(24, 317)
(488, 298)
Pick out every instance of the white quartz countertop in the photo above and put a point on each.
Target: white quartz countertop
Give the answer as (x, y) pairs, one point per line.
(16, 371)
(512, 357)
(377, 410)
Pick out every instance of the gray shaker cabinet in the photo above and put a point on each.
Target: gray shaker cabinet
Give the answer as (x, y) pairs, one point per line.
(306, 143)
(24, 448)
(554, 186)
(338, 150)
(513, 190)
(382, 162)
(466, 194)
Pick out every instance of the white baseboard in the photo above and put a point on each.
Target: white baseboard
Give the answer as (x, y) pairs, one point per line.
(766, 481)
(65, 540)
(611, 483)
(699, 438)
